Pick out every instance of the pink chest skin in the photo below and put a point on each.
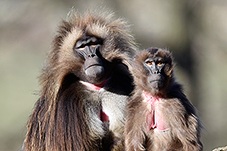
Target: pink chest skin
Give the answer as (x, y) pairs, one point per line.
(93, 86)
(154, 119)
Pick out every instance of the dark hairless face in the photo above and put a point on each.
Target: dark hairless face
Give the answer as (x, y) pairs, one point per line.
(156, 65)
(95, 66)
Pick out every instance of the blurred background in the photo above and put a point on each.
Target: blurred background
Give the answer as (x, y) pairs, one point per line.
(195, 31)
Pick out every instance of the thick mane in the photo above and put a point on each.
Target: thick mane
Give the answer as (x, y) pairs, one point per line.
(59, 120)
(116, 34)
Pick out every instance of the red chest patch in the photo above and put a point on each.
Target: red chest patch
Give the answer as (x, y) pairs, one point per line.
(104, 117)
(155, 118)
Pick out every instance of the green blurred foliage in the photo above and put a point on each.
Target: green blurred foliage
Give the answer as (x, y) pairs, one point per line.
(195, 31)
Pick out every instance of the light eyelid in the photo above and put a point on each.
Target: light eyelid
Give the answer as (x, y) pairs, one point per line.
(160, 63)
(148, 62)
(93, 45)
(81, 48)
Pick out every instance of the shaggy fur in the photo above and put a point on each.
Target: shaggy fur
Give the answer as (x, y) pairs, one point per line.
(180, 129)
(66, 116)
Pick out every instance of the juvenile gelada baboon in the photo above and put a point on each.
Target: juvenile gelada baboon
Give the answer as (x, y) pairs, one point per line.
(84, 87)
(160, 117)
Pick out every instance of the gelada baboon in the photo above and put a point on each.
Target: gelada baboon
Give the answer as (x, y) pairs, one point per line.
(84, 87)
(160, 117)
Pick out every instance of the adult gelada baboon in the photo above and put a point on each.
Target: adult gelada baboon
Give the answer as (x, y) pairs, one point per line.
(159, 115)
(84, 87)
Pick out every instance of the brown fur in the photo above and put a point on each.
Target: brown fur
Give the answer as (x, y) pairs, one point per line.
(183, 133)
(65, 118)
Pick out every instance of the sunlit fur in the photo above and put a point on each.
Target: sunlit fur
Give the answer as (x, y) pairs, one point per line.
(178, 114)
(65, 116)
